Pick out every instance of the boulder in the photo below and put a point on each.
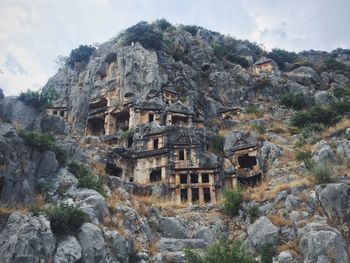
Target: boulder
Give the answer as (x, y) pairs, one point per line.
(324, 154)
(94, 248)
(321, 243)
(285, 257)
(68, 250)
(26, 238)
(118, 247)
(206, 234)
(343, 148)
(93, 204)
(171, 227)
(335, 200)
(269, 152)
(262, 232)
(324, 97)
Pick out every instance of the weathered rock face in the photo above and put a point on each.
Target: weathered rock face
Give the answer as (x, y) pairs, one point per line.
(68, 250)
(172, 228)
(52, 124)
(26, 168)
(335, 200)
(322, 243)
(324, 154)
(93, 245)
(262, 232)
(26, 238)
(19, 114)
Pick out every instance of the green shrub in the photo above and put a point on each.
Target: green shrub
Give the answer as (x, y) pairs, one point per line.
(39, 99)
(254, 212)
(268, 251)
(85, 178)
(326, 115)
(295, 101)
(281, 56)
(190, 28)
(218, 144)
(221, 252)
(233, 200)
(81, 54)
(143, 32)
(301, 156)
(260, 128)
(342, 92)
(64, 218)
(322, 173)
(252, 109)
(43, 142)
(163, 23)
(220, 51)
(334, 65)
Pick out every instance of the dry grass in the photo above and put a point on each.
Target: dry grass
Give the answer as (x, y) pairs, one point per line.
(278, 127)
(265, 192)
(337, 128)
(277, 220)
(114, 199)
(161, 202)
(153, 248)
(292, 245)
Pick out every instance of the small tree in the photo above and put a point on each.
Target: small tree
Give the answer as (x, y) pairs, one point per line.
(81, 54)
(233, 200)
(39, 99)
(221, 252)
(295, 101)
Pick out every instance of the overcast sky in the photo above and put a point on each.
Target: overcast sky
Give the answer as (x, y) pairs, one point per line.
(33, 33)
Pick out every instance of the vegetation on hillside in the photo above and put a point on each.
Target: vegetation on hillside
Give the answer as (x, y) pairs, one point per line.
(43, 142)
(40, 100)
(233, 199)
(81, 54)
(221, 252)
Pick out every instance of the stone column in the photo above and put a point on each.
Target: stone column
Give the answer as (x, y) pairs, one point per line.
(189, 195)
(200, 189)
(177, 188)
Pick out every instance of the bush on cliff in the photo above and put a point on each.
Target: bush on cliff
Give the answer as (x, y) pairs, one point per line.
(39, 99)
(221, 252)
(43, 142)
(81, 54)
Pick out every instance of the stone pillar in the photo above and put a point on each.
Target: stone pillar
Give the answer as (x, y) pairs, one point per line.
(189, 195)
(177, 188)
(163, 175)
(200, 189)
(212, 195)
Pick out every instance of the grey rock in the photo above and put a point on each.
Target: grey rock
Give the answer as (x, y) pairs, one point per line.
(269, 152)
(68, 250)
(324, 154)
(262, 232)
(285, 257)
(170, 227)
(26, 238)
(335, 200)
(322, 243)
(236, 138)
(206, 234)
(175, 245)
(52, 124)
(343, 148)
(93, 204)
(324, 97)
(1, 94)
(117, 246)
(20, 114)
(94, 248)
(292, 202)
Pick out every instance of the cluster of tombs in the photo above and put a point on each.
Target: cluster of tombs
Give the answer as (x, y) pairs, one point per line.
(163, 142)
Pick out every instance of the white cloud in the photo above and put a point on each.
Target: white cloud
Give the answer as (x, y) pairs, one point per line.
(36, 32)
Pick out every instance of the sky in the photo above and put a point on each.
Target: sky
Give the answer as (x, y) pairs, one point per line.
(33, 33)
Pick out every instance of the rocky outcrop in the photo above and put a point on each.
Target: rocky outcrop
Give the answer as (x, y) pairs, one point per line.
(262, 232)
(68, 251)
(170, 227)
(321, 243)
(26, 238)
(93, 245)
(324, 154)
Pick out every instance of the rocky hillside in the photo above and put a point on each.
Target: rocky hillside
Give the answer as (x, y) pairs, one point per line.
(62, 201)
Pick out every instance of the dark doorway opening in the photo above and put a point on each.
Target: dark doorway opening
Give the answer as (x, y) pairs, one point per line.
(194, 178)
(155, 175)
(183, 178)
(205, 178)
(181, 154)
(155, 144)
(131, 180)
(179, 120)
(96, 126)
(206, 195)
(195, 195)
(113, 170)
(62, 113)
(122, 120)
(184, 196)
(150, 117)
(246, 161)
